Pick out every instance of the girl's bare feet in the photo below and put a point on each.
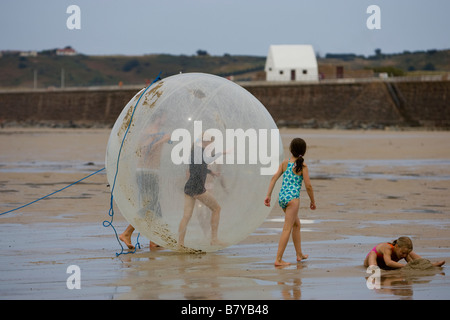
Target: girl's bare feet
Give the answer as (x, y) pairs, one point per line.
(302, 257)
(281, 263)
(154, 245)
(439, 264)
(217, 242)
(126, 238)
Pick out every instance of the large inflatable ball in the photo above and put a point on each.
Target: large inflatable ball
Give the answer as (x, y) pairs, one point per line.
(189, 161)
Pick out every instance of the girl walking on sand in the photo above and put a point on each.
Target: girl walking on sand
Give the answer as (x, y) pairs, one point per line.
(294, 172)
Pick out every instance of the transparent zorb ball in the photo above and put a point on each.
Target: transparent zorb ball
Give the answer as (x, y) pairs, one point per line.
(195, 164)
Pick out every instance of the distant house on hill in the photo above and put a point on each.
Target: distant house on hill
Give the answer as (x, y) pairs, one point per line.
(291, 63)
(28, 54)
(67, 51)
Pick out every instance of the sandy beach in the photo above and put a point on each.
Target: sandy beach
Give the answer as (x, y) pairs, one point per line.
(370, 187)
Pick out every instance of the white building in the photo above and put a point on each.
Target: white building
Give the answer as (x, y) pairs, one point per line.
(67, 51)
(291, 63)
(28, 54)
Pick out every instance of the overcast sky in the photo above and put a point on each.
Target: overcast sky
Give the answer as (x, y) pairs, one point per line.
(237, 27)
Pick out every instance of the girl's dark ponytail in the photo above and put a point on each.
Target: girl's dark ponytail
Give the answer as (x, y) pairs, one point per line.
(299, 164)
(298, 149)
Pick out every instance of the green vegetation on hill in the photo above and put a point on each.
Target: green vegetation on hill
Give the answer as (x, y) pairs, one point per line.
(82, 70)
(399, 63)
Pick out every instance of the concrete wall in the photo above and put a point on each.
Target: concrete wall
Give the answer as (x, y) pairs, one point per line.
(349, 105)
(375, 104)
(64, 108)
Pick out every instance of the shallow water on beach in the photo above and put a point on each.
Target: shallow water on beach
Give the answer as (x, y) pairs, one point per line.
(361, 202)
(50, 166)
(31, 268)
(394, 169)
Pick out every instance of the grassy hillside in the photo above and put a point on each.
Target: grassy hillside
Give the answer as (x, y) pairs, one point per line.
(406, 63)
(82, 70)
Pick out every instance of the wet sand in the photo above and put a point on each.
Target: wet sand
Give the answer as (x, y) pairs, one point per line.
(370, 186)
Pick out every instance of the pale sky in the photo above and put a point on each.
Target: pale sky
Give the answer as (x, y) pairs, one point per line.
(236, 27)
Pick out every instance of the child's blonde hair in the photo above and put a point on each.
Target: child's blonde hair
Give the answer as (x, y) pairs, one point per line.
(403, 242)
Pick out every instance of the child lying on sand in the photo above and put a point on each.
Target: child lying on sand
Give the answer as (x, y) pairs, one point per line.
(386, 255)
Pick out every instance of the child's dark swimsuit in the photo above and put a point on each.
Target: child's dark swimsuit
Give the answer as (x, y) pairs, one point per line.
(197, 174)
(290, 187)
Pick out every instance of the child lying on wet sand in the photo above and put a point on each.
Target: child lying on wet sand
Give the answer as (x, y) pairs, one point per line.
(386, 255)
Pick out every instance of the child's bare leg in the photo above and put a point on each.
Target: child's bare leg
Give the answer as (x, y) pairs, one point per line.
(125, 237)
(371, 259)
(215, 218)
(208, 200)
(291, 212)
(189, 203)
(296, 239)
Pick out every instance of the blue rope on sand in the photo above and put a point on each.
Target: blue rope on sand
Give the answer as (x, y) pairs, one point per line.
(106, 223)
(26, 205)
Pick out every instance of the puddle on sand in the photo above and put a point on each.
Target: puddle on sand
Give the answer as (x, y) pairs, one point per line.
(399, 169)
(50, 166)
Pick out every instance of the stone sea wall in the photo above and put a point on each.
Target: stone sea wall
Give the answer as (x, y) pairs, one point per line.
(374, 104)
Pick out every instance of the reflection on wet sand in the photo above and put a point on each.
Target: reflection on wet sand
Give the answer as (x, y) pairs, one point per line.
(186, 279)
(402, 282)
